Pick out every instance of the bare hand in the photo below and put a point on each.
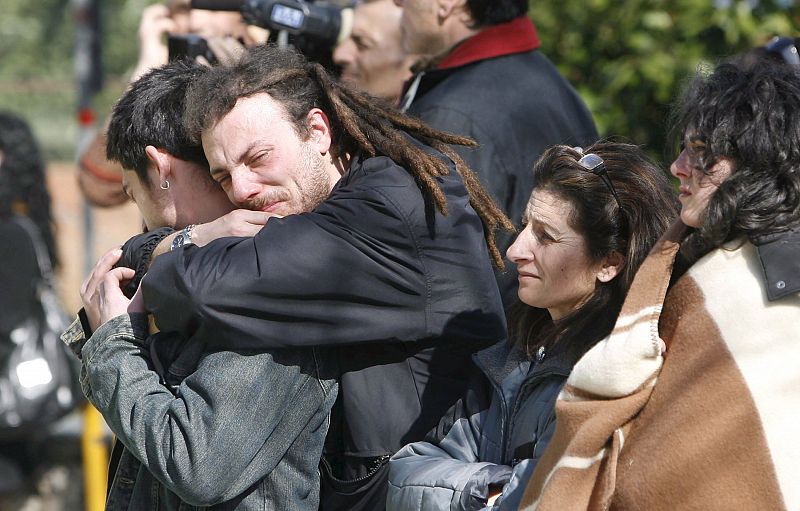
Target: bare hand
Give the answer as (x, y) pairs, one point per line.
(101, 292)
(228, 50)
(154, 25)
(240, 222)
(492, 499)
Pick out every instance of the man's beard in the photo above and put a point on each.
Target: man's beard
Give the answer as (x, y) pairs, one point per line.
(315, 182)
(312, 182)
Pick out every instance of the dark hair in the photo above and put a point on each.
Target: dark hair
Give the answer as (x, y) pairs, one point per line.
(358, 122)
(749, 114)
(151, 113)
(493, 12)
(648, 207)
(23, 187)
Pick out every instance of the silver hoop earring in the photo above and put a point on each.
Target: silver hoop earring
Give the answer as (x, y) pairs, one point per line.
(164, 185)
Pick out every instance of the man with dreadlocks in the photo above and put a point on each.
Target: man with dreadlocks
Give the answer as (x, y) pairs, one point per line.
(391, 268)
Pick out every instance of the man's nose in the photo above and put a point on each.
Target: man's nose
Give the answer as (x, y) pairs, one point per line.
(343, 53)
(242, 189)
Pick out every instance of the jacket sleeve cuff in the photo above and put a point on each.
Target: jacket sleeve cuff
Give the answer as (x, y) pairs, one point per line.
(476, 491)
(76, 333)
(136, 254)
(131, 327)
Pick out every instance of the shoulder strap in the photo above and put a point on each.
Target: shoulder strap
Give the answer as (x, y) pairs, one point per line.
(42, 256)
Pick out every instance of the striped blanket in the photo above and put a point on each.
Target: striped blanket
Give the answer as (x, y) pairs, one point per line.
(713, 423)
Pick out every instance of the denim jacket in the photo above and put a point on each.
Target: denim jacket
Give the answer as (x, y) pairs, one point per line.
(240, 431)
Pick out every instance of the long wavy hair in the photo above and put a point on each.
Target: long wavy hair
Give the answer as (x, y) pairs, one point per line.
(748, 113)
(648, 206)
(22, 179)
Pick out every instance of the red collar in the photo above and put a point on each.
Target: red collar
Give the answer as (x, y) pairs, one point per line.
(516, 36)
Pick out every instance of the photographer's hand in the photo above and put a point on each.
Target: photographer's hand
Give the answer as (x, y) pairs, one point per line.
(154, 25)
(228, 50)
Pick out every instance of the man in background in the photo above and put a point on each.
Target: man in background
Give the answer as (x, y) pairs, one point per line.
(489, 81)
(372, 57)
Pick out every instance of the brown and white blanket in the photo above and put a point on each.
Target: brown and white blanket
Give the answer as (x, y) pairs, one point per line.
(713, 423)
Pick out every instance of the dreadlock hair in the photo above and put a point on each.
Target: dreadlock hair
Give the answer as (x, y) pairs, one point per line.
(747, 112)
(359, 123)
(22, 179)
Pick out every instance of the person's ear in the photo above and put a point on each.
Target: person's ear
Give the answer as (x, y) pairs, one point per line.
(319, 130)
(446, 8)
(162, 162)
(611, 266)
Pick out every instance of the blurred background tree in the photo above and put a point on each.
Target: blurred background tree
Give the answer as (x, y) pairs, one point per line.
(36, 64)
(627, 58)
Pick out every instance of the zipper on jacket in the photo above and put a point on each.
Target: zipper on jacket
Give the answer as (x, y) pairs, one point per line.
(503, 407)
(379, 462)
(505, 438)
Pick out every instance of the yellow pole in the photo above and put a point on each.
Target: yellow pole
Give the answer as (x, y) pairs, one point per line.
(95, 459)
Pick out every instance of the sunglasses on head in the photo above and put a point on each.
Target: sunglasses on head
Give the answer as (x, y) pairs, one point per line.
(786, 47)
(593, 163)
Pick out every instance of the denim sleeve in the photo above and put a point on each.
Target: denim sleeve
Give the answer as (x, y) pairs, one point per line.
(230, 424)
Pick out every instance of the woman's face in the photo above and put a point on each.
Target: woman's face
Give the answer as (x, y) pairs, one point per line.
(555, 271)
(697, 187)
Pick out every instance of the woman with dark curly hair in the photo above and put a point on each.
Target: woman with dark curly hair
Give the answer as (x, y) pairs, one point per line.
(591, 220)
(24, 214)
(23, 194)
(712, 422)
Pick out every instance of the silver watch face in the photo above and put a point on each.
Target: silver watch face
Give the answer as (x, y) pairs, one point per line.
(178, 242)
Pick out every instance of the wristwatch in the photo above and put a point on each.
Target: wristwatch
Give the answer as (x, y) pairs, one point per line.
(184, 237)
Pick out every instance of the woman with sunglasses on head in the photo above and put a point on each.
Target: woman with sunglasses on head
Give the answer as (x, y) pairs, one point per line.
(713, 423)
(592, 218)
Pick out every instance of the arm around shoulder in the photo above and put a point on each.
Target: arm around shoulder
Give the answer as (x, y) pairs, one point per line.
(347, 273)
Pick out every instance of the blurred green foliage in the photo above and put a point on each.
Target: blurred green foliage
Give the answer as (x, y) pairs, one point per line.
(36, 64)
(629, 58)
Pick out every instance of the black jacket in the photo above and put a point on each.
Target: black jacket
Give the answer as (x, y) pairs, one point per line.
(405, 293)
(514, 105)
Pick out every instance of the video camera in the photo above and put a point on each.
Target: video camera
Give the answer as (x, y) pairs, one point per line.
(312, 27)
(191, 46)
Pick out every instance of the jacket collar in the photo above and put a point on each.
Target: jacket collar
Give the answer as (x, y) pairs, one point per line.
(498, 360)
(516, 36)
(779, 254)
